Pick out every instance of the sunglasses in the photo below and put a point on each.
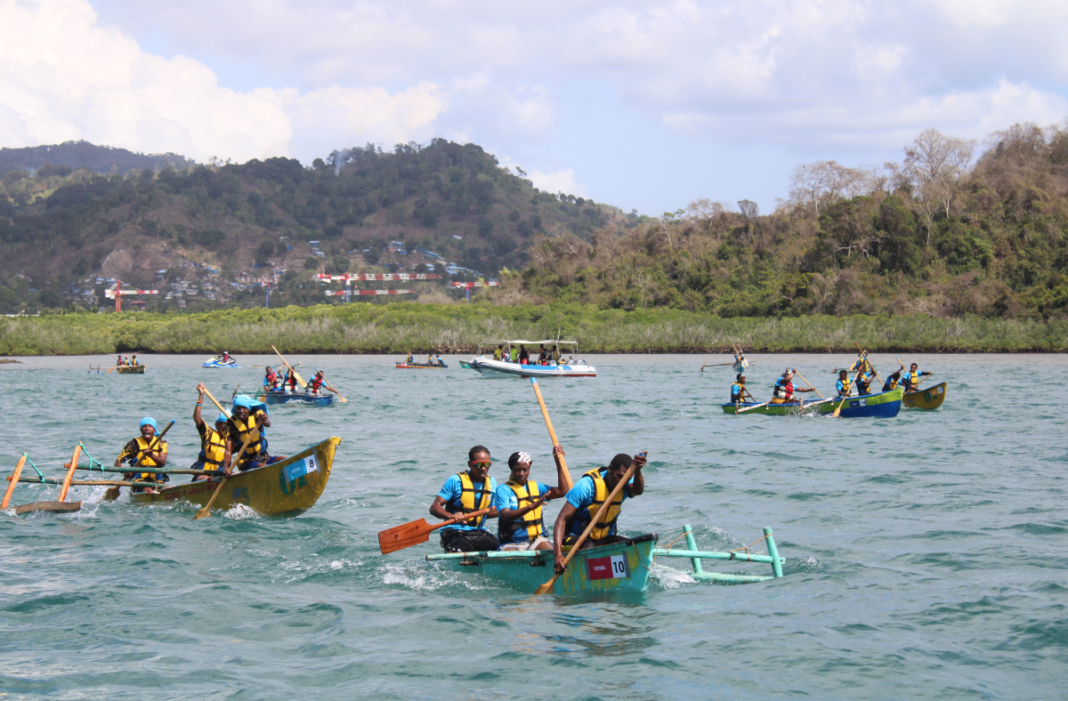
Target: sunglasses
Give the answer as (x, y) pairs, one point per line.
(482, 465)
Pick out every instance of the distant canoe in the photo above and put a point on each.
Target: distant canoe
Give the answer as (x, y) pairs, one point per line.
(420, 366)
(216, 362)
(130, 369)
(300, 398)
(881, 405)
(286, 488)
(929, 398)
(623, 565)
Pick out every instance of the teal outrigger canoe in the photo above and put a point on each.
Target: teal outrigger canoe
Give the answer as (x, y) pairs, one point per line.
(623, 565)
(880, 405)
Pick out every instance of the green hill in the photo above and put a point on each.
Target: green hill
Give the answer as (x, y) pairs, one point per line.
(454, 200)
(62, 159)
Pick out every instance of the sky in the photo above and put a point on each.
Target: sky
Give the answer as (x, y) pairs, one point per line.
(645, 105)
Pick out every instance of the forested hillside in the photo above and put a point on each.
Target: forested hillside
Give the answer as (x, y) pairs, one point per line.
(58, 226)
(62, 159)
(942, 234)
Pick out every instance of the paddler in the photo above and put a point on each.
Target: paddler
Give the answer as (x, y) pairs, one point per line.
(844, 385)
(118, 361)
(519, 501)
(249, 417)
(214, 453)
(738, 390)
(270, 380)
(586, 497)
(463, 493)
(411, 359)
(137, 453)
(864, 380)
(316, 384)
(740, 363)
(894, 380)
(911, 379)
(783, 391)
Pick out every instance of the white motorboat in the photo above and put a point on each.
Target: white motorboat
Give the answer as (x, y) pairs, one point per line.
(569, 367)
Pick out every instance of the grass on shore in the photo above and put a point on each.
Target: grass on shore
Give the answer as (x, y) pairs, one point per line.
(400, 327)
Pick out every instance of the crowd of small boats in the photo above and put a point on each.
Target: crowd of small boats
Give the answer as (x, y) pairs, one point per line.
(294, 484)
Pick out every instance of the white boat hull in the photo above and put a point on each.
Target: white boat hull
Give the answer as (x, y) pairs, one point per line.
(498, 368)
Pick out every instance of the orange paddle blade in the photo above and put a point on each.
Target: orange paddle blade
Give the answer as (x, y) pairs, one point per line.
(407, 535)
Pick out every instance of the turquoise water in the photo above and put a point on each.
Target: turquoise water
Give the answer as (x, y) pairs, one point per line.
(927, 555)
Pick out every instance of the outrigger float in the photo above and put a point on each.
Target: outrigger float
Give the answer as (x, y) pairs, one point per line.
(880, 405)
(286, 488)
(624, 566)
(930, 398)
(488, 367)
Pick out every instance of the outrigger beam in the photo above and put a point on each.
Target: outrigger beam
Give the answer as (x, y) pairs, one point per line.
(695, 556)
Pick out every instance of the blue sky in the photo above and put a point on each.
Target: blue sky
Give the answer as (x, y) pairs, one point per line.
(645, 105)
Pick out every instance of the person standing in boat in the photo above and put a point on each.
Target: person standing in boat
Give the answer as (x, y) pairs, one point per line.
(524, 356)
(586, 497)
(783, 391)
(911, 379)
(249, 417)
(136, 452)
(738, 390)
(214, 453)
(519, 500)
(498, 352)
(464, 493)
(556, 354)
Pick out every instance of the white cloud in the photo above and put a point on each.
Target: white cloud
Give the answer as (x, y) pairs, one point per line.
(64, 75)
(558, 181)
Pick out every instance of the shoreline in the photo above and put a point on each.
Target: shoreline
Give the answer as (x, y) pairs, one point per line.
(397, 328)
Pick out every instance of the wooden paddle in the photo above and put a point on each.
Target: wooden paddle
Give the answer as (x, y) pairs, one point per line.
(300, 380)
(838, 411)
(548, 586)
(14, 478)
(552, 434)
(234, 395)
(416, 532)
(206, 511)
(331, 388)
(810, 385)
(113, 493)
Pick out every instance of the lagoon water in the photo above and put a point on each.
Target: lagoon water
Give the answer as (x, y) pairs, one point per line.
(927, 555)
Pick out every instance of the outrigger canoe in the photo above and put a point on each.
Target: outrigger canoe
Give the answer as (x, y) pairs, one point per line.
(420, 366)
(880, 405)
(930, 398)
(301, 398)
(130, 369)
(286, 488)
(623, 565)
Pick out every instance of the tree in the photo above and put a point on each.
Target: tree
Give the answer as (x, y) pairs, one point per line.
(749, 209)
(825, 182)
(934, 163)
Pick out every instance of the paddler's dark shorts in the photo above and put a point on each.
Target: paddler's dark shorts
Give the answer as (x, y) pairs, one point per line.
(591, 543)
(453, 540)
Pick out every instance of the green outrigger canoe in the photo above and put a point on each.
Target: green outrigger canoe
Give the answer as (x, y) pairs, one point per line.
(624, 566)
(880, 405)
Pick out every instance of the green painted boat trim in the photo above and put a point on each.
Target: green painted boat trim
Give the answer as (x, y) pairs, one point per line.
(700, 575)
(880, 404)
(528, 570)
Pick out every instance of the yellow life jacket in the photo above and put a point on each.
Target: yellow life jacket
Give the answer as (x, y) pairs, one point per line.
(892, 384)
(847, 385)
(531, 522)
(213, 451)
(142, 445)
(913, 378)
(468, 501)
(254, 447)
(607, 523)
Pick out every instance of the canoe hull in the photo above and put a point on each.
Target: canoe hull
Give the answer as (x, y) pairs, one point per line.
(498, 368)
(880, 405)
(930, 398)
(287, 488)
(130, 369)
(591, 569)
(309, 399)
(420, 366)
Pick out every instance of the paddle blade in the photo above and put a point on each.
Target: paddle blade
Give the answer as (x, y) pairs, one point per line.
(203, 513)
(112, 494)
(404, 536)
(546, 588)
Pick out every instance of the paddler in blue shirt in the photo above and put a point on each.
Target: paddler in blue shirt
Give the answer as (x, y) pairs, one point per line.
(214, 455)
(844, 385)
(911, 379)
(586, 497)
(738, 390)
(464, 493)
(519, 500)
(894, 380)
(248, 418)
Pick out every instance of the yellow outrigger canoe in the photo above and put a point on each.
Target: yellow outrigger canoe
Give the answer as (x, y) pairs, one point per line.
(928, 398)
(286, 488)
